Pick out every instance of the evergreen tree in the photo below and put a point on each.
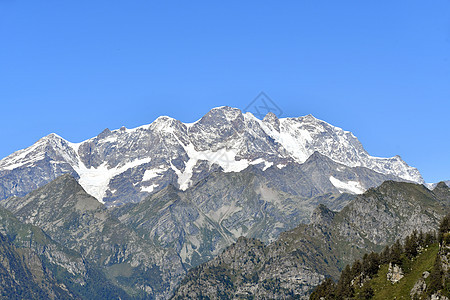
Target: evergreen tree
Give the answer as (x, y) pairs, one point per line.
(421, 239)
(385, 255)
(371, 264)
(411, 245)
(430, 238)
(356, 268)
(367, 293)
(436, 276)
(444, 227)
(325, 290)
(344, 288)
(396, 253)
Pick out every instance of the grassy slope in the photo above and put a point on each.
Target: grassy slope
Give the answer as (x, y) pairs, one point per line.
(384, 289)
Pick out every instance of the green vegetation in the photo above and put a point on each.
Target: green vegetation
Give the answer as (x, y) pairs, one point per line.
(384, 289)
(418, 257)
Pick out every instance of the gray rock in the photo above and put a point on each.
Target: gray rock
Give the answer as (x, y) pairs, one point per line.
(418, 289)
(302, 257)
(395, 273)
(126, 165)
(77, 220)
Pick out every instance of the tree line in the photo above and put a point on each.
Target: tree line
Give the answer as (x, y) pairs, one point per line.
(397, 254)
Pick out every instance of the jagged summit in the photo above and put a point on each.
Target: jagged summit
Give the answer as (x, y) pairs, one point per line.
(127, 164)
(322, 215)
(442, 185)
(272, 120)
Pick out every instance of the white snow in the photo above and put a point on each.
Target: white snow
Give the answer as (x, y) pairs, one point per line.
(291, 137)
(297, 139)
(18, 164)
(302, 136)
(95, 181)
(36, 152)
(353, 187)
(226, 158)
(149, 188)
(109, 139)
(261, 160)
(18, 158)
(75, 146)
(429, 186)
(153, 173)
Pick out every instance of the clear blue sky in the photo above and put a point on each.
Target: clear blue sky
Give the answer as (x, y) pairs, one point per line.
(380, 69)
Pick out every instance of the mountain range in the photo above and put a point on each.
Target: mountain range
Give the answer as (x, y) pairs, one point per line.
(136, 209)
(126, 165)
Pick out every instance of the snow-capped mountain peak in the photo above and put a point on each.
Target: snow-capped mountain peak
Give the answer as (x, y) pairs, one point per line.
(147, 158)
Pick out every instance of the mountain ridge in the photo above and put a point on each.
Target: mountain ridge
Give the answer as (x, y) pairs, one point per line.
(75, 219)
(302, 257)
(200, 221)
(125, 165)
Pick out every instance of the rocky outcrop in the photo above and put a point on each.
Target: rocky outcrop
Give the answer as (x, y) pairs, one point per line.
(438, 296)
(419, 287)
(395, 273)
(247, 269)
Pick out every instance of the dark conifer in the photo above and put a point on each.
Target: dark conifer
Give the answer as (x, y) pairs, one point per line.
(356, 268)
(435, 276)
(396, 253)
(385, 255)
(326, 290)
(344, 288)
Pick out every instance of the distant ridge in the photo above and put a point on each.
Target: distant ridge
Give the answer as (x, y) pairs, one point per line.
(125, 165)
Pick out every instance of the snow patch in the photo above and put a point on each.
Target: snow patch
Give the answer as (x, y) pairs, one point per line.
(153, 173)
(149, 188)
(225, 158)
(95, 181)
(261, 160)
(353, 187)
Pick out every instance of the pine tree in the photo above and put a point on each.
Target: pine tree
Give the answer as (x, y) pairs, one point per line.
(421, 239)
(436, 276)
(372, 264)
(430, 238)
(411, 245)
(444, 227)
(325, 290)
(367, 293)
(396, 253)
(385, 255)
(356, 268)
(344, 288)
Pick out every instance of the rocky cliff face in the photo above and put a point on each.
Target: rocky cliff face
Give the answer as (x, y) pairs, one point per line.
(23, 275)
(77, 220)
(37, 267)
(299, 259)
(244, 270)
(207, 217)
(138, 249)
(125, 165)
(32, 238)
(201, 221)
